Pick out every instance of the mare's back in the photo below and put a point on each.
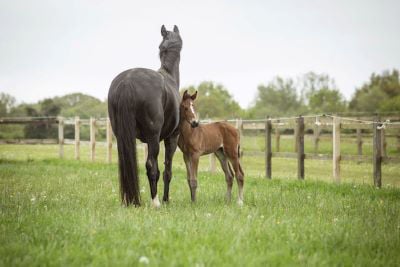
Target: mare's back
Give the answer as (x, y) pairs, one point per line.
(144, 85)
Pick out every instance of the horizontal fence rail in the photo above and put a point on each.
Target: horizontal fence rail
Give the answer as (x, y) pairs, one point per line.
(319, 125)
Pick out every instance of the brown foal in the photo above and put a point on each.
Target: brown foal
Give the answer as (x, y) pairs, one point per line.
(196, 140)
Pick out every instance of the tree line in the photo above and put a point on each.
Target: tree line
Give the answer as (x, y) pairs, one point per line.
(311, 93)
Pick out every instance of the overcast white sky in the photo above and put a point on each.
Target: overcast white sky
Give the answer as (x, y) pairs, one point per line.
(50, 48)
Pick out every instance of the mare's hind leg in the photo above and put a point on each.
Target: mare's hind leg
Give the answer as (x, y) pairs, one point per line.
(153, 173)
(228, 173)
(170, 147)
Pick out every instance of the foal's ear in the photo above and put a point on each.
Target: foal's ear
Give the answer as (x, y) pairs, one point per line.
(163, 31)
(176, 30)
(193, 97)
(185, 95)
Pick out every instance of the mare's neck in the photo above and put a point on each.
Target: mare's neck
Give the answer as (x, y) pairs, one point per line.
(170, 64)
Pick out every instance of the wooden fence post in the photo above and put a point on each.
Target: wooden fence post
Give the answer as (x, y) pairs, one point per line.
(317, 132)
(336, 149)
(239, 126)
(398, 140)
(61, 137)
(92, 138)
(268, 148)
(278, 138)
(300, 148)
(377, 154)
(109, 140)
(359, 144)
(77, 138)
(296, 137)
(383, 143)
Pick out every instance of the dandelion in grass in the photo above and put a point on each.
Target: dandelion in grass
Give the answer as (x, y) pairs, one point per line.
(144, 260)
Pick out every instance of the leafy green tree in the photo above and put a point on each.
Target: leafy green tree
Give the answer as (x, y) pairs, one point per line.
(48, 108)
(378, 94)
(278, 98)
(320, 94)
(214, 101)
(7, 102)
(326, 100)
(82, 105)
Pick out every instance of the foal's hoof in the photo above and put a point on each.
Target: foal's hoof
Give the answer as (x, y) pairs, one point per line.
(155, 202)
(240, 202)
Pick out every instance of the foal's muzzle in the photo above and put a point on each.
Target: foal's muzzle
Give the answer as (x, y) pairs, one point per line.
(194, 124)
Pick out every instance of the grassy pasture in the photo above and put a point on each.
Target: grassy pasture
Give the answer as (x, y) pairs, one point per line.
(67, 212)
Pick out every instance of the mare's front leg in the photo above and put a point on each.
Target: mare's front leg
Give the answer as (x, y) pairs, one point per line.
(153, 173)
(192, 162)
(170, 147)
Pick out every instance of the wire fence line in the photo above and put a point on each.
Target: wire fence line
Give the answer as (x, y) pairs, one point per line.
(334, 123)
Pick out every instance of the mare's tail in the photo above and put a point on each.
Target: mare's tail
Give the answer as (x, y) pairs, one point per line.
(124, 125)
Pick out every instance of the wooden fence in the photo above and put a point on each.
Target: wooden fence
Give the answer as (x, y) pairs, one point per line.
(300, 125)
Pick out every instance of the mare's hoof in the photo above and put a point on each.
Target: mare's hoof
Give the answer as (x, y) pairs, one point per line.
(155, 202)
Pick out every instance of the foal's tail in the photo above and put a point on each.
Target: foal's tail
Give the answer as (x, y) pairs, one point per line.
(239, 156)
(240, 166)
(124, 126)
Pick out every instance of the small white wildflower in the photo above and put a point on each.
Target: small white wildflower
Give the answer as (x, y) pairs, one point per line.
(33, 199)
(208, 215)
(113, 190)
(144, 260)
(249, 216)
(262, 216)
(335, 219)
(309, 197)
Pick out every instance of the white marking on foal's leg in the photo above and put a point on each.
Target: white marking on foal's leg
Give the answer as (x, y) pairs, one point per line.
(155, 202)
(240, 200)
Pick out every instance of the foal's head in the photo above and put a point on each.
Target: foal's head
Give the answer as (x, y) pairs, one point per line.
(187, 111)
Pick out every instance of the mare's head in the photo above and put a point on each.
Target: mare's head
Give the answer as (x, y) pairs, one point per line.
(171, 42)
(187, 111)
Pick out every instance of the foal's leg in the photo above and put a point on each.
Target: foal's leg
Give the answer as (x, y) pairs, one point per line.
(228, 174)
(153, 172)
(192, 162)
(239, 176)
(170, 147)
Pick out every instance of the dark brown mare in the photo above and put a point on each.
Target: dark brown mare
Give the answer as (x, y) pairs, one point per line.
(196, 140)
(144, 104)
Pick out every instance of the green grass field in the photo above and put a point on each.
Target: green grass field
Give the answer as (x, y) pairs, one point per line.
(67, 212)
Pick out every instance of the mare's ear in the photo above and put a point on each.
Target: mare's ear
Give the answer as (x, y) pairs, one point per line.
(176, 30)
(185, 95)
(163, 31)
(193, 97)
